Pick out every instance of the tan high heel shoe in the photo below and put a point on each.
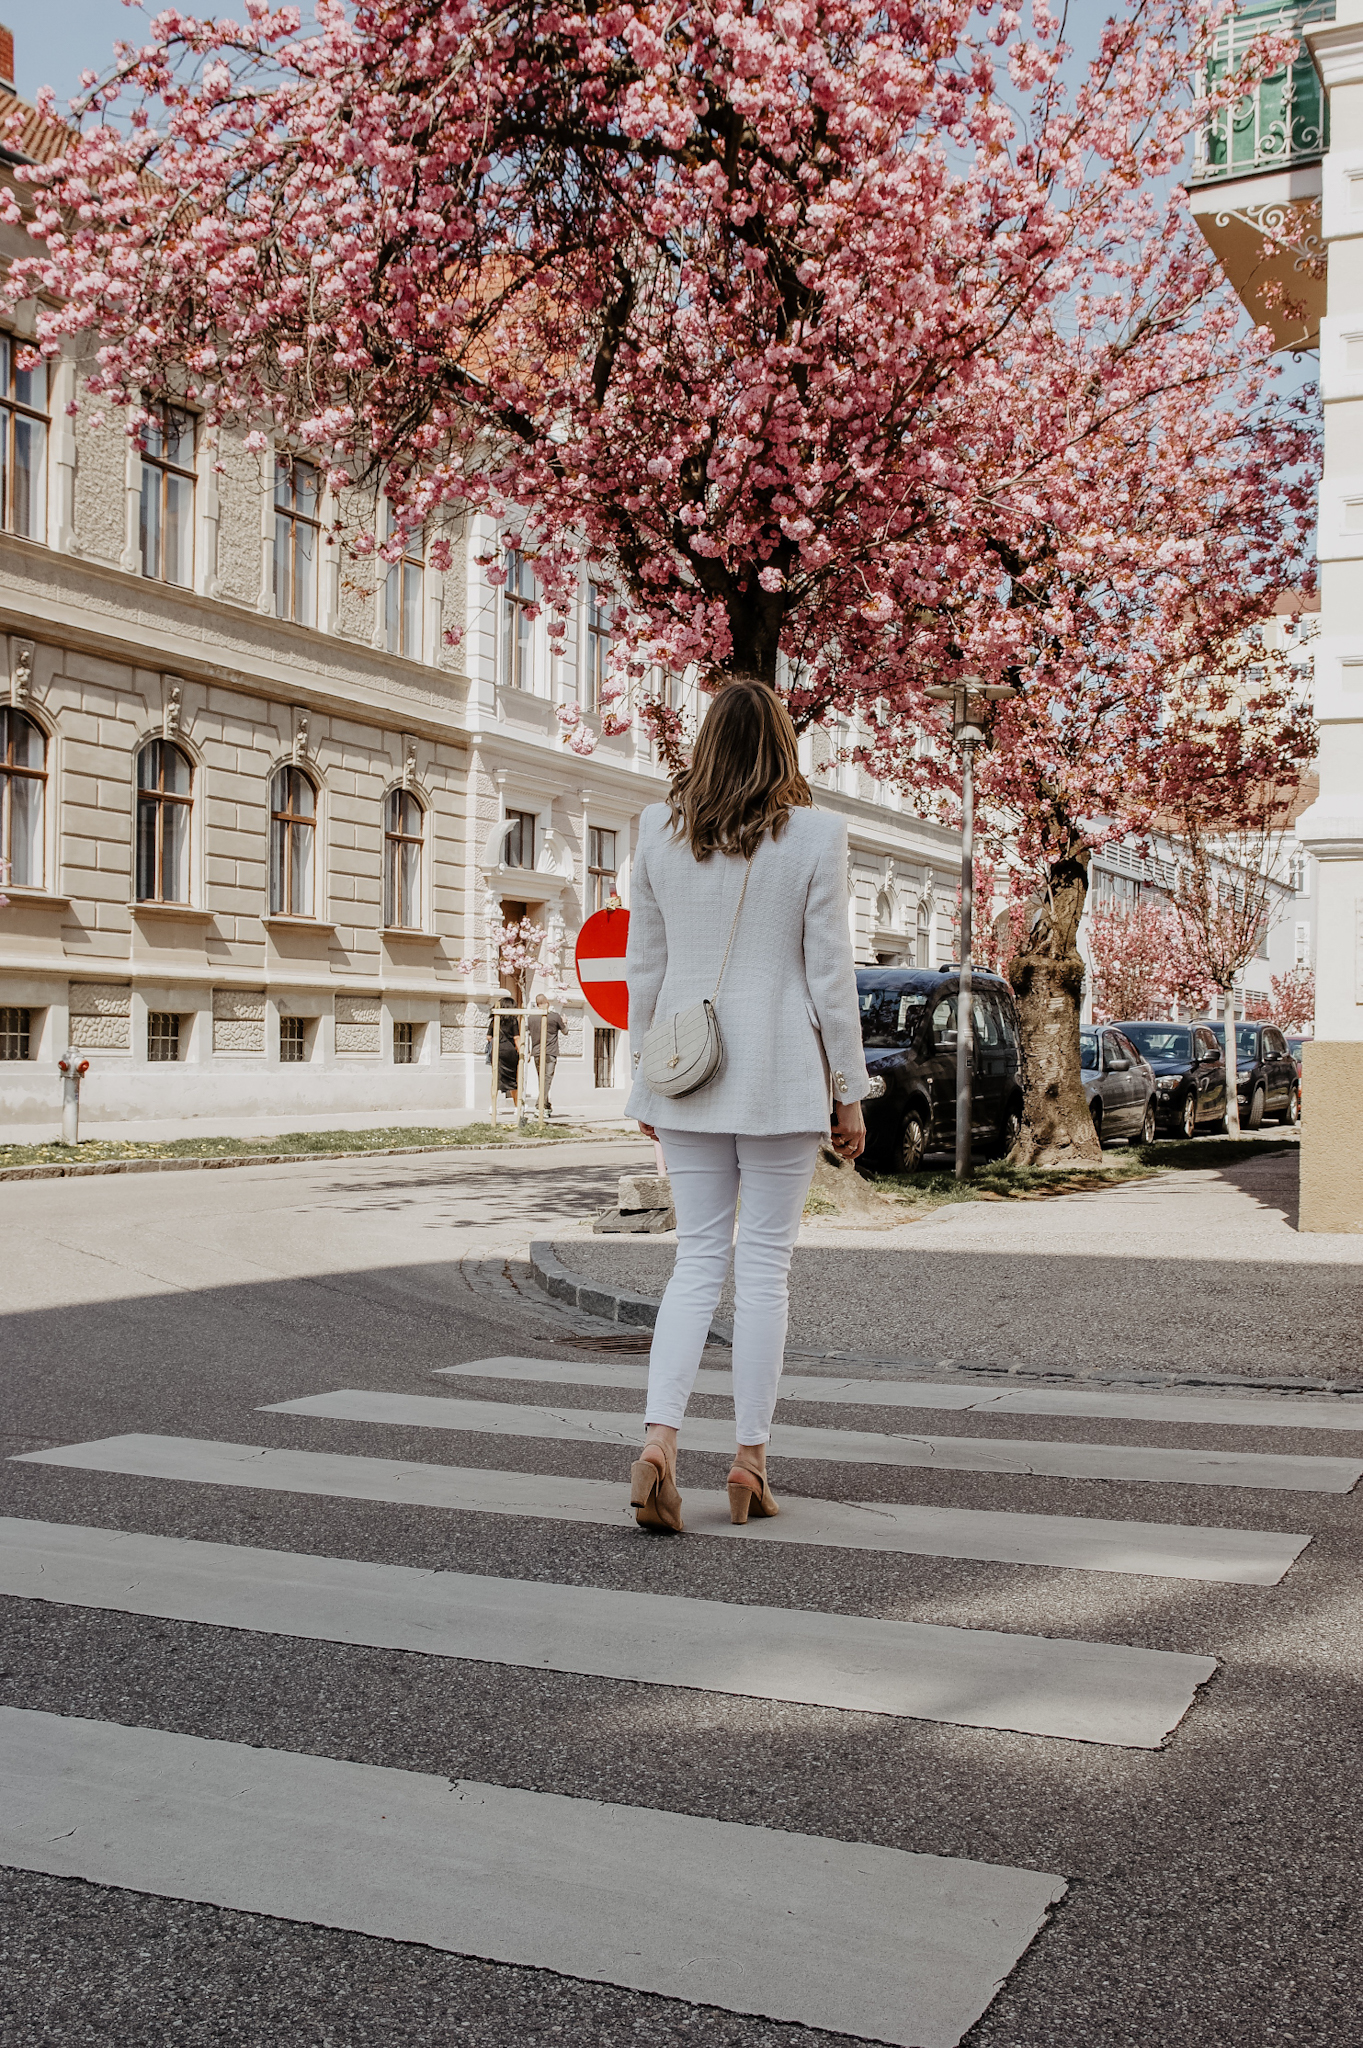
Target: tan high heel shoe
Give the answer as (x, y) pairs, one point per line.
(749, 1493)
(653, 1491)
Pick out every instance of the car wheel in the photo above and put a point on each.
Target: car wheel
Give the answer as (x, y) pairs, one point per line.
(1187, 1121)
(913, 1144)
(1096, 1112)
(1292, 1114)
(1146, 1134)
(1256, 1111)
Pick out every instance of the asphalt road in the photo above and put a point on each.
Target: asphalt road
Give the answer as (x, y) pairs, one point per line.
(1214, 1885)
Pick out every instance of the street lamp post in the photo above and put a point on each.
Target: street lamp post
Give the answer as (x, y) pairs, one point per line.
(967, 699)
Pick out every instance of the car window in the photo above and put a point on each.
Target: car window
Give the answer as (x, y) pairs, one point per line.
(1246, 1041)
(1208, 1046)
(1133, 1052)
(1008, 1030)
(943, 1019)
(1161, 1041)
(1274, 1048)
(1088, 1051)
(986, 1023)
(1113, 1056)
(891, 1016)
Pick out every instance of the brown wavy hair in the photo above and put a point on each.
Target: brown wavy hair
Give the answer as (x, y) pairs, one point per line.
(744, 777)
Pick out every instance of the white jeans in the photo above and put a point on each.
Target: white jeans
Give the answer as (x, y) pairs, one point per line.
(707, 1169)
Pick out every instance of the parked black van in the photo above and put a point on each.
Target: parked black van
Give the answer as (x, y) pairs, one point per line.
(908, 1027)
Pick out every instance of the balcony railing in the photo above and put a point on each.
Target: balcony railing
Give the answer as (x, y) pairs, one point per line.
(1285, 121)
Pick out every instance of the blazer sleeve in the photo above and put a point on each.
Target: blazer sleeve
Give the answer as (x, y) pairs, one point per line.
(645, 952)
(830, 970)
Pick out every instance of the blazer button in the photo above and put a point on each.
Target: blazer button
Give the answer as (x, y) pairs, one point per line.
(839, 1083)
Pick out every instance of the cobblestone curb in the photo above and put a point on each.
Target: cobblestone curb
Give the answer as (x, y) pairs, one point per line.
(80, 1168)
(641, 1312)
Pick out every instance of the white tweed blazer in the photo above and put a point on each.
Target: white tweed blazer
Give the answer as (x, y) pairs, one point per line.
(787, 1009)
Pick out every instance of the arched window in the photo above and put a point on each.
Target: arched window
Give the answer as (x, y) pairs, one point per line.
(924, 935)
(23, 784)
(165, 782)
(293, 836)
(402, 828)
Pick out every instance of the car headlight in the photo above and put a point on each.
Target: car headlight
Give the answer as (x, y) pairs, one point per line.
(1167, 1083)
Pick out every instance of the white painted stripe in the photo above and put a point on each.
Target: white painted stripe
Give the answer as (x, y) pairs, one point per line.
(845, 1446)
(601, 969)
(974, 1678)
(1259, 1411)
(874, 1942)
(1165, 1550)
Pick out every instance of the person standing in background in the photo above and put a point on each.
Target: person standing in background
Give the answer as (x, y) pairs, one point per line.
(544, 1028)
(508, 1048)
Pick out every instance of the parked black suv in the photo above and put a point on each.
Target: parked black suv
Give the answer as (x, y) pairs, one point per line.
(1268, 1083)
(908, 1027)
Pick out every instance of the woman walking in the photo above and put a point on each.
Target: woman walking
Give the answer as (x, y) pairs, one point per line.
(738, 906)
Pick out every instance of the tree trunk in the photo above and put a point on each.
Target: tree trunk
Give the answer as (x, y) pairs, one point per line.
(1048, 977)
(1232, 1068)
(755, 621)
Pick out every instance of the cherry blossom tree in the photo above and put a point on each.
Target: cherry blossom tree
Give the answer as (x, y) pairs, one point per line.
(1292, 1002)
(1143, 964)
(850, 337)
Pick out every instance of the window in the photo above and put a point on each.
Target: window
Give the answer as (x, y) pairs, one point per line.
(293, 1040)
(163, 1035)
(598, 646)
(519, 842)
(601, 869)
(1298, 873)
(518, 647)
(164, 783)
(603, 1058)
(1303, 944)
(923, 940)
(166, 514)
(15, 1033)
(1261, 940)
(944, 1022)
(404, 1044)
(889, 1017)
(23, 785)
(402, 861)
(297, 540)
(1205, 1045)
(403, 592)
(293, 830)
(1088, 1052)
(23, 447)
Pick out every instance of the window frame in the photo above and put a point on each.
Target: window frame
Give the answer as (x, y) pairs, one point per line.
(596, 645)
(163, 1037)
(163, 800)
(15, 409)
(406, 1044)
(164, 469)
(9, 770)
(289, 516)
(518, 632)
(518, 821)
(394, 839)
(19, 1033)
(292, 1039)
(597, 874)
(284, 823)
(413, 558)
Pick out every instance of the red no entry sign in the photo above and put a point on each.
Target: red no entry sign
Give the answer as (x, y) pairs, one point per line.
(600, 963)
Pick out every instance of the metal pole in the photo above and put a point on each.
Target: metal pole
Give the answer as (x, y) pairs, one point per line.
(496, 1057)
(965, 1021)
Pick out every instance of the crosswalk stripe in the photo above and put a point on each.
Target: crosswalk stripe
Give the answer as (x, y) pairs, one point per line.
(1168, 1550)
(1281, 1472)
(973, 1678)
(879, 1943)
(1103, 1403)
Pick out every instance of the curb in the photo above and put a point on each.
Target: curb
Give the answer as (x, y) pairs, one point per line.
(640, 1311)
(614, 1305)
(81, 1169)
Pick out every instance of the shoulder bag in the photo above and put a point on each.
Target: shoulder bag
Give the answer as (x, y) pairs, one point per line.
(685, 1051)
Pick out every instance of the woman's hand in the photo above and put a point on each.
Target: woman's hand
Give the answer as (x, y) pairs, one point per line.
(849, 1130)
(649, 1132)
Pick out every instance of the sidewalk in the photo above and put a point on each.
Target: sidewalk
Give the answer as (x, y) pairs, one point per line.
(1201, 1271)
(162, 1130)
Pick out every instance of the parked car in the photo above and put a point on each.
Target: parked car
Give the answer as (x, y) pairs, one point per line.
(1267, 1081)
(1294, 1046)
(1190, 1074)
(1119, 1086)
(908, 1027)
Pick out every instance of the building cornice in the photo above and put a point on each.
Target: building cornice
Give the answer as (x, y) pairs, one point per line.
(1337, 53)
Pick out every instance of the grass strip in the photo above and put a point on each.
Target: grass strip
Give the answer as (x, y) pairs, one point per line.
(98, 1151)
(994, 1180)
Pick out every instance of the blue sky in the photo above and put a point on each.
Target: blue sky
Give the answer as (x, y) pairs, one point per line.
(54, 43)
